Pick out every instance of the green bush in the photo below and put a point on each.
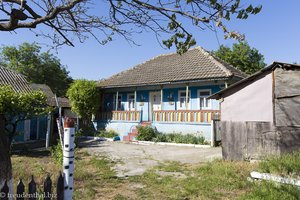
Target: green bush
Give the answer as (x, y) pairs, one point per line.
(146, 133)
(179, 138)
(57, 153)
(107, 134)
(150, 134)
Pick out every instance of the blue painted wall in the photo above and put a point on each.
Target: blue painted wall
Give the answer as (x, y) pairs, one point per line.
(173, 105)
(33, 129)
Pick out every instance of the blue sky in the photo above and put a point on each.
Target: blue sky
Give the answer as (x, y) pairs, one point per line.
(274, 32)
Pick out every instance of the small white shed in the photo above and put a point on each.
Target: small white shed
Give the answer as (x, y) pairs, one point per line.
(260, 115)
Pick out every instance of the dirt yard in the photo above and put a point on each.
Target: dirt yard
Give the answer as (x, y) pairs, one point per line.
(134, 159)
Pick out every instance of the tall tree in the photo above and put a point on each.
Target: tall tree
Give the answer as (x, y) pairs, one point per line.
(14, 108)
(242, 56)
(68, 19)
(38, 67)
(84, 100)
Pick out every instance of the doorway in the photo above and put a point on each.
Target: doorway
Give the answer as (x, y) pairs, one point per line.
(155, 103)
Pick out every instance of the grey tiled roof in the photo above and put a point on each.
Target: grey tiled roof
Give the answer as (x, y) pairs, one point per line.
(14, 79)
(196, 64)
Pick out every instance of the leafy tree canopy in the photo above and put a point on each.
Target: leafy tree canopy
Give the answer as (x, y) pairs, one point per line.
(102, 20)
(84, 98)
(38, 67)
(242, 56)
(16, 107)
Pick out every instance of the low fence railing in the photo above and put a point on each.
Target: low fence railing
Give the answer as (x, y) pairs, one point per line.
(33, 192)
(119, 116)
(199, 116)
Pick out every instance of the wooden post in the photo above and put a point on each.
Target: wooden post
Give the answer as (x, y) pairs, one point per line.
(135, 104)
(161, 98)
(60, 187)
(48, 130)
(186, 96)
(4, 191)
(47, 188)
(20, 190)
(117, 100)
(32, 189)
(68, 160)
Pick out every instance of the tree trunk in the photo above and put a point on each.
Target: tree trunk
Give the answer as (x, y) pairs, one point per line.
(5, 160)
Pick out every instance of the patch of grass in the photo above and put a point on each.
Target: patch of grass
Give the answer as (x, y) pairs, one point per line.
(272, 191)
(26, 166)
(120, 197)
(286, 165)
(95, 179)
(215, 180)
(171, 167)
(107, 134)
(57, 153)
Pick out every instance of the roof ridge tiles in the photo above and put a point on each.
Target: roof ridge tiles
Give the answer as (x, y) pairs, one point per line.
(195, 64)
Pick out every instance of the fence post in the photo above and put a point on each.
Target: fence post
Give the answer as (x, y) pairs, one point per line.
(68, 160)
(32, 189)
(20, 190)
(60, 187)
(47, 188)
(4, 191)
(213, 133)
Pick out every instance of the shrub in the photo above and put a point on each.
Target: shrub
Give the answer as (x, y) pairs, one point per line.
(146, 133)
(57, 153)
(108, 134)
(180, 138)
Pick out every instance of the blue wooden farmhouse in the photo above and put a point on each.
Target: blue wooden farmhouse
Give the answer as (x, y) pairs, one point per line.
(168, 92)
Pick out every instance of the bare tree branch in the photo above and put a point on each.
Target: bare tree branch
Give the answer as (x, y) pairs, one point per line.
(71, 19)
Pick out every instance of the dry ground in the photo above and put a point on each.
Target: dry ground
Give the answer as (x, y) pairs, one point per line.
(133, 159)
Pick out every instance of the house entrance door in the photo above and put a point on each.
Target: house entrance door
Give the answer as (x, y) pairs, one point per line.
(155, 103)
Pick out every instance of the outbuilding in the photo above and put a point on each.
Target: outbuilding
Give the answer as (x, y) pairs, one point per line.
(260, 115)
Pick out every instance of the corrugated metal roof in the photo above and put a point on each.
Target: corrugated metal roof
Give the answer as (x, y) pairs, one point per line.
(15, 80)
(195, 64)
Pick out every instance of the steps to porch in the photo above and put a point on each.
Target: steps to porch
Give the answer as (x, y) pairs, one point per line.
(134, 132)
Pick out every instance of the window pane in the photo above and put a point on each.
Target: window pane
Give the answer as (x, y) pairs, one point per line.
(204, 93)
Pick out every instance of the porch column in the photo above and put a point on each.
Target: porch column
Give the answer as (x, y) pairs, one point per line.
(117, 98)
(226, 84)
(186, 96)
(161, 98)
(135, 108)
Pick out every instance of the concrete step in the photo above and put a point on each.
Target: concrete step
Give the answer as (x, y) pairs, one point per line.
(145, 123)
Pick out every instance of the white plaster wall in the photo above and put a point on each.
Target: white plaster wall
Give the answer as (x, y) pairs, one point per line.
(252, 103)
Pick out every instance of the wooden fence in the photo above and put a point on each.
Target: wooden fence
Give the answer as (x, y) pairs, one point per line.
(198, 116)
(119, 116)
(32, 193)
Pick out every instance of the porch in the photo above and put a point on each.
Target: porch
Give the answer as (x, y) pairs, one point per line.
(176, 116)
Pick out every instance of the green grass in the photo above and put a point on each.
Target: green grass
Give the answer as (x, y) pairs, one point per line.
(287, 165)
(95, 179)
(107, 134)
(215, 180)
